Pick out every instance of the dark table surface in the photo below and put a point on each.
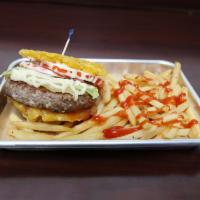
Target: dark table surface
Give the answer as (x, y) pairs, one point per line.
(101, 33)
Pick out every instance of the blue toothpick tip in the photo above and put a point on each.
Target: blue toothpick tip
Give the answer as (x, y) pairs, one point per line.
(70, 32)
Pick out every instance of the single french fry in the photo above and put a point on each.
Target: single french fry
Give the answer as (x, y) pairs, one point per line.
(182, 107)
(146, 88)
(175, 75)
(170, 117)
(83, 126)
(121, 123)
(112, 104)
(166, 74)
(183, 132)
(151, 109)
(130, 77)
(161, 93)
(84, 136)
(106, 91)
(150, 133)
(170, 133)
(150, 75)
(131, 117)
(61, 136)
(112, 112)
(135, 135)
(128, 125)
(29, 135)
(38, 126)
(176, 90)
(14, 117)
(156, 103)
(100, 108)
(130, 88)
(159, 132)
(113, 81)
(132, 111)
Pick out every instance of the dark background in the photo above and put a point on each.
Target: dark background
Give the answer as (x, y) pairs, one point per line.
(135, 29)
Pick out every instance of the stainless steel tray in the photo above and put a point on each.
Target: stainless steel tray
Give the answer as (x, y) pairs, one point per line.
(115, 66)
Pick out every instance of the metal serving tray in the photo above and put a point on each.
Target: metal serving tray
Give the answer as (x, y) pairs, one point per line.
(116, 66)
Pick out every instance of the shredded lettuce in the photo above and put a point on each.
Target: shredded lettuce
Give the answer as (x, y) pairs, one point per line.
(6, 73)
(93, 92)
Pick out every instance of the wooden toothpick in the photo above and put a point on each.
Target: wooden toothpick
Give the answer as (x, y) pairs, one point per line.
(70, 33)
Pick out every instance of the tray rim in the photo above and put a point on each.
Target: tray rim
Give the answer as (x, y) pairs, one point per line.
(69, 144)
(101, 142)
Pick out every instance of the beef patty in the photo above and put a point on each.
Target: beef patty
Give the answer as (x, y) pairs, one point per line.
(45, 99)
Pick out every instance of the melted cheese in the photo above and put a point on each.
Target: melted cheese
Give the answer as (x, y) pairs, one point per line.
(35, 114)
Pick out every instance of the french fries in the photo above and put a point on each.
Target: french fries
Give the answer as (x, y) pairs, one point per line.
(38, 126)
(148, 106)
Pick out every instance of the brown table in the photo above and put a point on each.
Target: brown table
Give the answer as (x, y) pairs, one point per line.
(103, 33)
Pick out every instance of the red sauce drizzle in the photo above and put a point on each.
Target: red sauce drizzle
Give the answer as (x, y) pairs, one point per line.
(150, 113)
(180, 99)
(135, 100)
(143, 123)
(120, 90)
(56, 68)
(168, 90)
(99, 83)
(164, 85)
(145, 79)
(99, 119)
(146, 101)
(117, 131)
(155, 122)
(130, 100)
(87, 76)
(123, 83)
(62, 76)
(170, 122)
(139, 116)
(191, 123)
(45, 66)
(122, 114)
(175, 100)
(79, 74)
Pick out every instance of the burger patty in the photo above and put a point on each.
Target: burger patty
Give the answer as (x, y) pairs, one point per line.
(45, 99)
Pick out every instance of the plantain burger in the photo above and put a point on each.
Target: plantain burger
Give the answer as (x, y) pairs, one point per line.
(50, 87)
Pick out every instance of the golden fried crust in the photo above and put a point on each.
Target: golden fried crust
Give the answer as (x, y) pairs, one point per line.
(76, 63)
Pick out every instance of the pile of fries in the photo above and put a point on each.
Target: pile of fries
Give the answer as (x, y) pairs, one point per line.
(148, 106)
